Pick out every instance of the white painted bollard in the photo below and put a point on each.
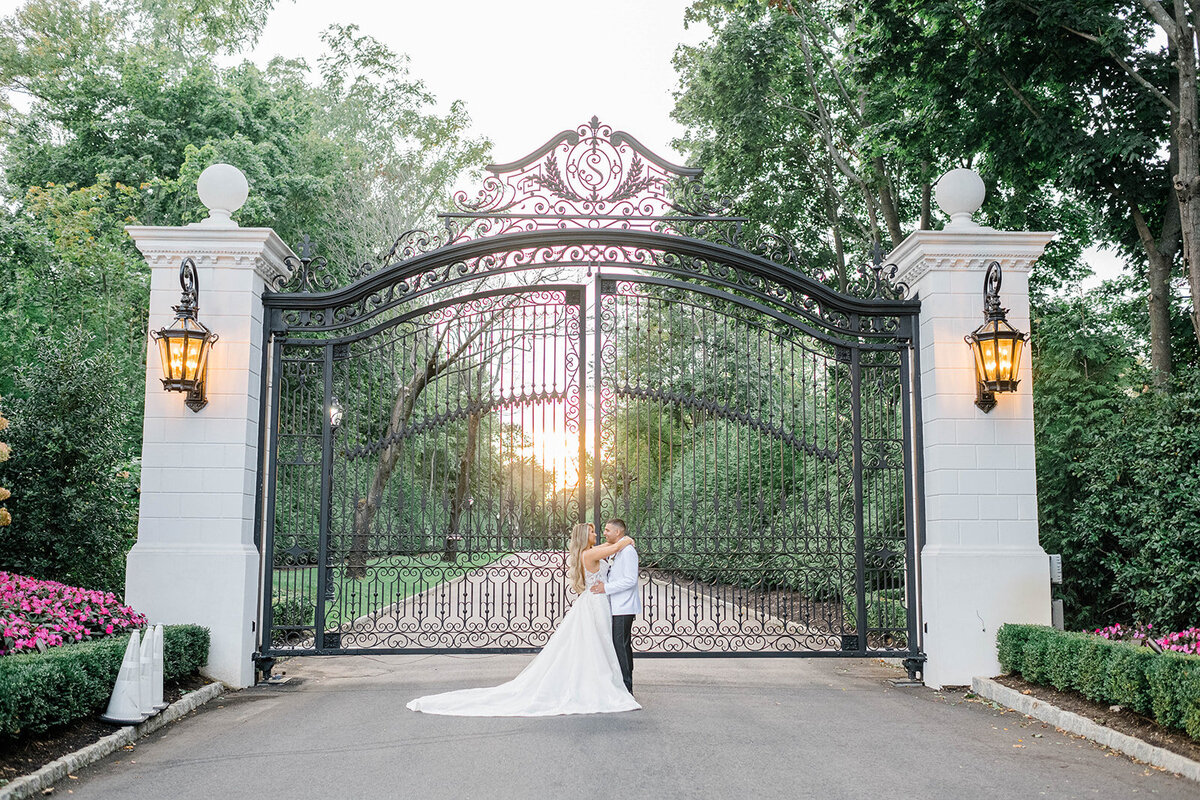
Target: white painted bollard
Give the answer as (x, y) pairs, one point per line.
(156, 680)
(146, 674)
(124, 708)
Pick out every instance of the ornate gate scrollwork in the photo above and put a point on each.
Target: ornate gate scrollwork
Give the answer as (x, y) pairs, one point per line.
(588, 336)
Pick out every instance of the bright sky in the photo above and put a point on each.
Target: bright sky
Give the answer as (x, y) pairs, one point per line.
(526, 69)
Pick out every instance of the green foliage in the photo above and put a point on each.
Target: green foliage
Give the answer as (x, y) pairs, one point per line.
(1092, 664)
(910, 88)
(1062, 661)
(128, 102)
(1126, 677)
(74, 499)
(66, 263)
(1118, 471)
(828, 125)
(1164, 684)
(39, 691)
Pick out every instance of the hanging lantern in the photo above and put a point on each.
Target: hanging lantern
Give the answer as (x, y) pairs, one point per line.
(996, 346)
(183, 346)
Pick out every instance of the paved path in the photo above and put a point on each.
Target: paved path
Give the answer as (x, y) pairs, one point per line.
(711, 728)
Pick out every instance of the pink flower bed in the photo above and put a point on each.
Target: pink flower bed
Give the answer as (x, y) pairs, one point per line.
(37, 614)
(1185, 641)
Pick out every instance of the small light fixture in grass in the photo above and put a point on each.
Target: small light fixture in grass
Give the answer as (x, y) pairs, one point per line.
(183, 346)
(996, 346)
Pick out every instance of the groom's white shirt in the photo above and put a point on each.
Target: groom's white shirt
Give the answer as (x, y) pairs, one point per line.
(622, 584)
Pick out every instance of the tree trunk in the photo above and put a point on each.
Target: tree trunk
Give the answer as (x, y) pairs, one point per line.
(465, 463)
(367, 506)
(1187, 179)
(887, 204)
(1159, 255)
(926, 196)
(831, 215)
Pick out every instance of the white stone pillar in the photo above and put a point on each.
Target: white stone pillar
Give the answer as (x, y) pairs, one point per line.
(195, 560)
(981, 564)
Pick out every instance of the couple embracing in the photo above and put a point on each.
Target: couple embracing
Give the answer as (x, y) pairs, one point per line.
(587, 665)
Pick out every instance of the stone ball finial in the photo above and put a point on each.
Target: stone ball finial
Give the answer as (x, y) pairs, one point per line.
(960, 194)
(223, 189)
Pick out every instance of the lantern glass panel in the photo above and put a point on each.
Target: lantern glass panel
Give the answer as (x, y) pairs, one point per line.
(192, 356)
(1015, 361)
(164, 354)
(987, 352)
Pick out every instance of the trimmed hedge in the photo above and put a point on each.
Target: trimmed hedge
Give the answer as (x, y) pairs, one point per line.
(41, 690)
(1165, 685)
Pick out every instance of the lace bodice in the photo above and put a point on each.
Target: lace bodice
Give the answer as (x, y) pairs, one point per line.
(601, 573)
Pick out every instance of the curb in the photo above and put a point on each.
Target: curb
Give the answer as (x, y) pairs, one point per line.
(55, 771)
(1082, 726)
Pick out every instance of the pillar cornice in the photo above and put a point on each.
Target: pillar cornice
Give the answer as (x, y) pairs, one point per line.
(929, 251)
(259, 249)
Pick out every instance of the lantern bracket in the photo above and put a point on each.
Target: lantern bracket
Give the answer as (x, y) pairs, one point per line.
(986, 400)
(992, 310)
(994, 316)
(991, 293)
(189, 302)
(186, 326)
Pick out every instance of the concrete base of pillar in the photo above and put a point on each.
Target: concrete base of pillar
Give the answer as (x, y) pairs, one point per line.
(210, 586)
(967, 593)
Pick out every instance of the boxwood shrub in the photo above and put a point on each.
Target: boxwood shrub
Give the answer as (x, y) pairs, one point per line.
(41, 690)
(1165, 685)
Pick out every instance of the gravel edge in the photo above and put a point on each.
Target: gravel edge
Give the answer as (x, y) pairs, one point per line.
(1082, 726)
(36, 782)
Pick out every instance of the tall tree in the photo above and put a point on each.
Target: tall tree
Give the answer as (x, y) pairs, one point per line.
(125, 102)
(1078, 95)
(788, 111)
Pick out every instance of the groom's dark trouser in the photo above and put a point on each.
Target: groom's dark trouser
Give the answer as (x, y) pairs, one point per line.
(623, 644)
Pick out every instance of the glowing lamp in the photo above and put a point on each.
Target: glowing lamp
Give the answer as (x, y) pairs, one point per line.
(183, 345)
(336, 412)
(996, 346)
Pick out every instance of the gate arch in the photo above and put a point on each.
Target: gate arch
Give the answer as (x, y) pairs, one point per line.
(589, 336)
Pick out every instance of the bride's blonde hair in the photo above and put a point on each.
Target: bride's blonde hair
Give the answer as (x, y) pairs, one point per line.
(581, 539)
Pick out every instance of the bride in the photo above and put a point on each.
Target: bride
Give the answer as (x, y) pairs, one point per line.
(576, 672)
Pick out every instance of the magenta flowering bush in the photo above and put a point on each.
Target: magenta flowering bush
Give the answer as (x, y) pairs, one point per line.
(1185, 641)
(35, 615)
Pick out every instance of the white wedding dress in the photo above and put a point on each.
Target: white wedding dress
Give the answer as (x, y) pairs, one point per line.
(575, 673)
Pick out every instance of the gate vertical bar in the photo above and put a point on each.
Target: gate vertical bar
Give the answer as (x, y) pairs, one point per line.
(910, 524)
(260, 483)
(581, 471)
(860, 584)
(597, 466)
(323, 512)
(271, 488)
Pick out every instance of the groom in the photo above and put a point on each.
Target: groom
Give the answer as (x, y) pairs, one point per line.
(623, 598)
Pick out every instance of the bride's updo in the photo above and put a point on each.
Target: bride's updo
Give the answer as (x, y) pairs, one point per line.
(581, 538)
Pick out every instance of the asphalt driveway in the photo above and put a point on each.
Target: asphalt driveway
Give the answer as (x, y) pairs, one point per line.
(736, 728)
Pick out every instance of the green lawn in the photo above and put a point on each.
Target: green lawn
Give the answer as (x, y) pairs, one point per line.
(388, 580)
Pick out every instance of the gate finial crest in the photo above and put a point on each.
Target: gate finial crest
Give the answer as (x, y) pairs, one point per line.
(589, 176)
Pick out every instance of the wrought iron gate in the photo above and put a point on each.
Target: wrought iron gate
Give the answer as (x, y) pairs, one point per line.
(588, 338)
